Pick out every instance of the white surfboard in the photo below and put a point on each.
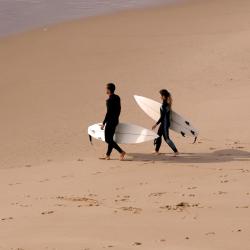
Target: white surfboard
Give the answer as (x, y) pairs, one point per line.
(178, 123)
(125, 133)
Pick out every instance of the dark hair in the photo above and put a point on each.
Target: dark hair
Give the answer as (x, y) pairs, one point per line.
(164, 93)
(111, 87)
(167, 96)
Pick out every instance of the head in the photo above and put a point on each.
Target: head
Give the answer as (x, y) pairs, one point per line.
(166, 96)
(110, 89)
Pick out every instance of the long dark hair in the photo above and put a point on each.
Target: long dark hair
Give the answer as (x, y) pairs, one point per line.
(168, 97)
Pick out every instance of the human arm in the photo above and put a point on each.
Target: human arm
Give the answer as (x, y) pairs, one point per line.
(108, 113)
(160, 119)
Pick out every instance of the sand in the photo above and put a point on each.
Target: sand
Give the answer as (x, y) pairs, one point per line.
(56, 194)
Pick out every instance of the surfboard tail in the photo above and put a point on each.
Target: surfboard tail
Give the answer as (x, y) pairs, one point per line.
(179, 124)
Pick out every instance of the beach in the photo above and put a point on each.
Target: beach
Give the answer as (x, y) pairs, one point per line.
(57, 194)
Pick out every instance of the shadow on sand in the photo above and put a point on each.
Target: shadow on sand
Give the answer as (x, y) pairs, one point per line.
(225, 155)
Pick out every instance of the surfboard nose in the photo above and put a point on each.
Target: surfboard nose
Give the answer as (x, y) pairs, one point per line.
(137, 96)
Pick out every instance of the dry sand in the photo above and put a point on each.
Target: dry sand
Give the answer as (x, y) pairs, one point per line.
(56, 194)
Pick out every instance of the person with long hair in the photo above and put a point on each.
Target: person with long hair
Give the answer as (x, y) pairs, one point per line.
(164, 122)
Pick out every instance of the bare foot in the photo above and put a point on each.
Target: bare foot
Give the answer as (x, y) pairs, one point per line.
(107, 158)
(176, 154)
(122, 156)
(156, 153)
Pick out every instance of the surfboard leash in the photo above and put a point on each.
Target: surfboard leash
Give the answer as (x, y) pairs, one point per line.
(195, 139)
(90, 140)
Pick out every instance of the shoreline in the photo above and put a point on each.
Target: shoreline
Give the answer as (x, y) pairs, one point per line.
(91, 16)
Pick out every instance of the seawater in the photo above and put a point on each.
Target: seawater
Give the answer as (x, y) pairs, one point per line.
(22, 15)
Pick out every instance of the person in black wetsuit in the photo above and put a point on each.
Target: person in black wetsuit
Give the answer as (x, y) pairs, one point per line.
(164, 121)
(111, 121)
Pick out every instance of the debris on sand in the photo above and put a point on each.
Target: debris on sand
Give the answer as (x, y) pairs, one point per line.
(180, 206)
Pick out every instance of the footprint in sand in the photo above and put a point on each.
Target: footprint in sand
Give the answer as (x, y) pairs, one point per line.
(7, 218)
(14, 203)
(210, 233)
(125, 198)
(157, 194)
(191, 195)
(225, 181)
(67, 176)
(245, 171)
(143, 183)
(242, 207)
(220, 193)
(92, 195)
(133, 210)
(224, 177)
(82, 200)
(179, 207)
(44, 180)
(137, 244)
(47, 212)
(96, 173)
(60, 205)
(25, 205)
(13, 184)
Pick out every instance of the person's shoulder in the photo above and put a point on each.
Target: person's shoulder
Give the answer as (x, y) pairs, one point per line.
(165, 106)
(117, 97)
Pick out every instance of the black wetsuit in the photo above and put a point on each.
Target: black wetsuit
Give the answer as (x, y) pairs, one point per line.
(111, 121)
(164, 122)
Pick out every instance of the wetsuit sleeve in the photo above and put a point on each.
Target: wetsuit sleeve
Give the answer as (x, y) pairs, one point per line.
(169, 117)
(161, 117)
(109, 112)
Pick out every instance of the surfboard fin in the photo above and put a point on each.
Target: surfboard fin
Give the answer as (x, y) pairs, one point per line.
(90, 139)
(195, 139)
